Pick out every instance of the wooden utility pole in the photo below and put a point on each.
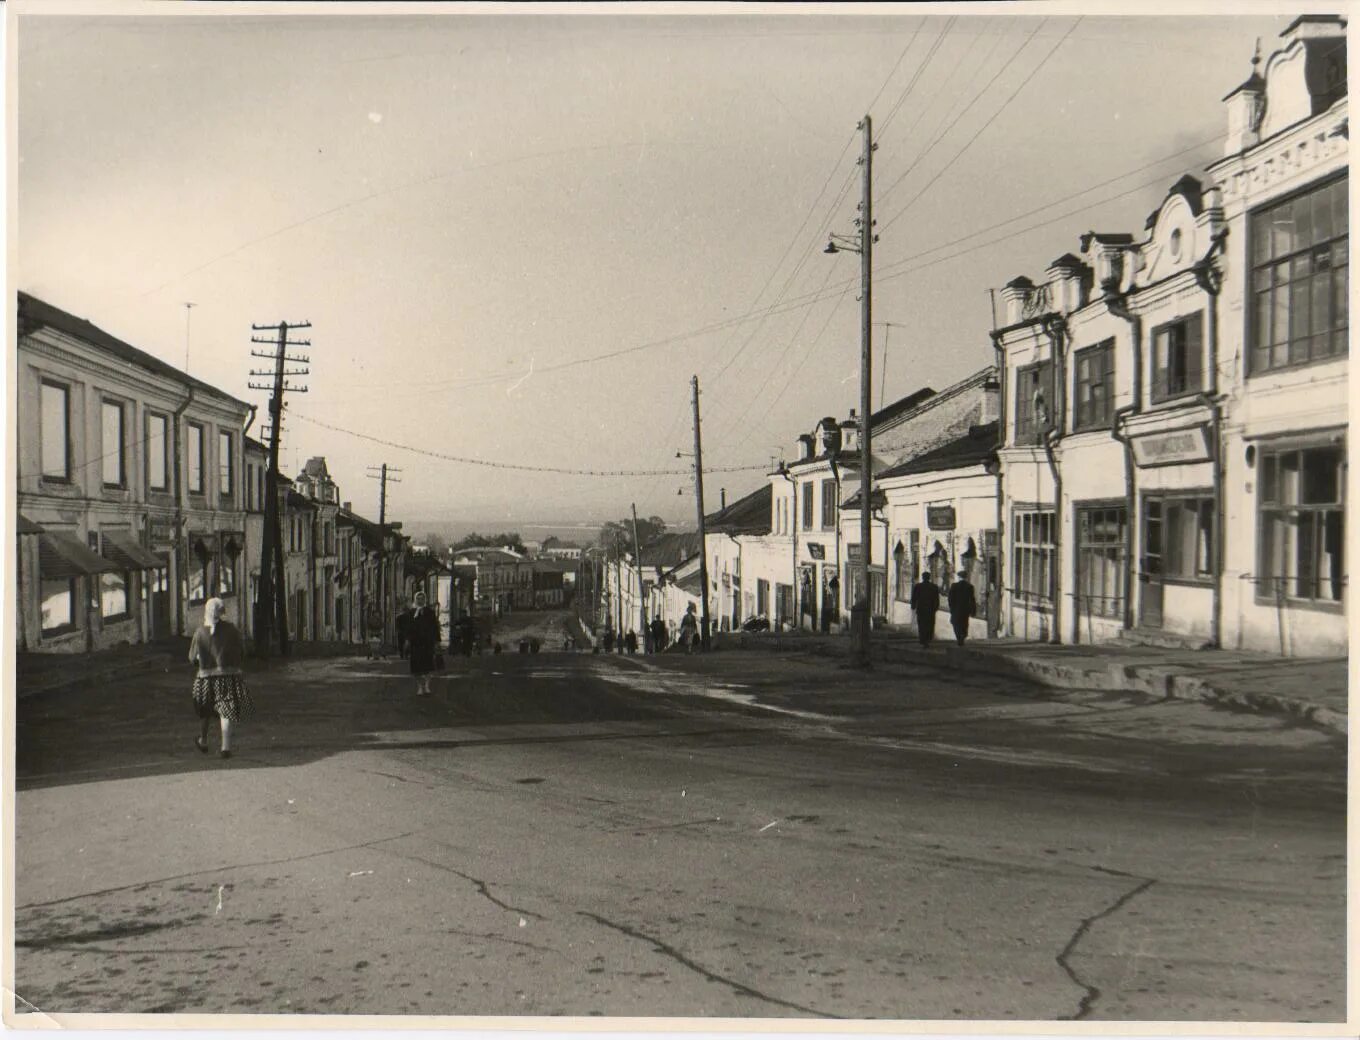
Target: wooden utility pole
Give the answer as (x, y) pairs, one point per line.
(637, 563)
(271, 603)
(383, 473)
(699, 508)
(866, 256)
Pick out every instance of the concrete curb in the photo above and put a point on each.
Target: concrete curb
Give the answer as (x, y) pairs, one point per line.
(1150, 680)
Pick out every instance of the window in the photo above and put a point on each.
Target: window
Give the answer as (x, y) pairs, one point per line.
(1094, 387)
(1033, 402)
(157, 455)
(1302, 524)
(829, 505)
(58, 605)
(55, 417)
(113, 597)
(112, 445)
(807, 505)
(1178, 358)
(784, 602)
(194, 454)
(198, 574)
(1102, 533)
(1300, 279)
(226, 471)
(1033, 556)
(762, 598)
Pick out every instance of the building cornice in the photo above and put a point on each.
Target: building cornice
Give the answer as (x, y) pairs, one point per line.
(1307, 148)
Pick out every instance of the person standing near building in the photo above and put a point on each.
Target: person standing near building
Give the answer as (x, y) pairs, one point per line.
(925, 601)
(219, 687)
(689, 629)
(658, 635)
(962, 606)
(630, 641)
(423, 640)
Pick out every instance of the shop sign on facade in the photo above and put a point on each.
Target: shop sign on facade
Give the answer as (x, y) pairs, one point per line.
(1173, 447)
(816, 550)
(161, 530)
(940, 518)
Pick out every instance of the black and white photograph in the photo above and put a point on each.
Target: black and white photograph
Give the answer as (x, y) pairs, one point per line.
(742, 517)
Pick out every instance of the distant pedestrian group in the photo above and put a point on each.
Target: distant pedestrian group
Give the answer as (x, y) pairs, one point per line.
(925, 603)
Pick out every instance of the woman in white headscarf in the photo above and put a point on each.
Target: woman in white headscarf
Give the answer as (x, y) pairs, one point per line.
(219, 688)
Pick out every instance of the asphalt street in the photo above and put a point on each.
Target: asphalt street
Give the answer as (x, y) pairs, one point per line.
(739, 835)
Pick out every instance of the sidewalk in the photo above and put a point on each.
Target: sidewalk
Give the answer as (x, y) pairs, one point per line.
(1314, 690)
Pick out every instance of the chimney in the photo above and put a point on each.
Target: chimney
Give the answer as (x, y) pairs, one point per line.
(1246, 105)
(805, 450)
(347, 507)
(1014, 295)
(722, 499)
(1068, 279)
(989, 406)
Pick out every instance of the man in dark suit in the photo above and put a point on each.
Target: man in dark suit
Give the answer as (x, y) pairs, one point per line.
(962, 606)
(925, 601)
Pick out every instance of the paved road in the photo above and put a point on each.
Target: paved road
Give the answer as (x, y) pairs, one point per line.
(737, 835)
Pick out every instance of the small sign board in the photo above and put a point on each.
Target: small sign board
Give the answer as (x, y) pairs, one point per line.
(816, 550)
(1172, 447)
(940, 518)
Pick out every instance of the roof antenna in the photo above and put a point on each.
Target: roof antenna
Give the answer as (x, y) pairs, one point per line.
(188, 309)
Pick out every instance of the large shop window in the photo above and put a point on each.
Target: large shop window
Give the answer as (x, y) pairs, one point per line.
(114, 470)
(1034, 552)
(1033, 402)
(1094, 387)
(1101, 560)
(194, 452)
(1178, 535)
(1178, 358)
(58, 605)
(1300, 257)
(1302, 524)
(55, 434)
(113, 595)
(157, 454)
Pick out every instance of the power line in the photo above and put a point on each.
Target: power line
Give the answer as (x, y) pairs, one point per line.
(995, 115)
(524, 468)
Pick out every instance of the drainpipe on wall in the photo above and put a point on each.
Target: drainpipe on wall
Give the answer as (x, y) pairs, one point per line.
(181, 535)
(1056, 329)
(737, 605)
(1003, 433)
(1210, 280)
(1118, 306)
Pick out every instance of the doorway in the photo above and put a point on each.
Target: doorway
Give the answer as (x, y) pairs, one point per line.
(1150, 575)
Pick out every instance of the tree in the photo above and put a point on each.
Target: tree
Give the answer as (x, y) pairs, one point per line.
(503, 540)
(437, 544)
(618, 534)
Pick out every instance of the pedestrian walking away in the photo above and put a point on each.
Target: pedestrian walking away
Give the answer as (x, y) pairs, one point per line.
(608, 640)
(962, 606)
(219, 687)
(630, 640)
(925, 601)
(658, 634)
(423, 640)
(689, 629)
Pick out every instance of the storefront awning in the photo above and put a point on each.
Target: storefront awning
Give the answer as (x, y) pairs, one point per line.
(122, 548)
(27, 526)
(63, 556)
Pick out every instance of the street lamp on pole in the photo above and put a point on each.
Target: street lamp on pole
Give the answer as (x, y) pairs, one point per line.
(862, 242)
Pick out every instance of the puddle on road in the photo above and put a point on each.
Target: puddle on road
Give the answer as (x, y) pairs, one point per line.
(651, 682)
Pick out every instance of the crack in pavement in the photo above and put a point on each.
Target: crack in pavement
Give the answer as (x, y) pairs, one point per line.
(1093, 992)
(480, 885)
(500, 938)
(680, 958)
(213, 870)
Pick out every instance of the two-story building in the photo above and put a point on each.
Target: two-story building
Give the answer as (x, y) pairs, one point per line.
(132, 470)
(1173, 465)
(505, 578)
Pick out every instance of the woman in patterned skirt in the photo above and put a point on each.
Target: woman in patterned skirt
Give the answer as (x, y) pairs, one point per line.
(220, 688)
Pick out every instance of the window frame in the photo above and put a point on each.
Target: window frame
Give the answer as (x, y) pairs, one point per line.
(1159, 389)
(1082, 421)
(1280, 509)
(226, 446)
(1020, 553)
(1082, 510)
(105, 403)
(829, 504)
(809, 503)
(1257, 265)
(165, 487)
(64, 477)
(189, 429)
(72, 597)
(1027, 429)
(126, 612)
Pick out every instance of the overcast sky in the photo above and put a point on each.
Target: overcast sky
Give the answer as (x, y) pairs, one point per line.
(461, 203)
